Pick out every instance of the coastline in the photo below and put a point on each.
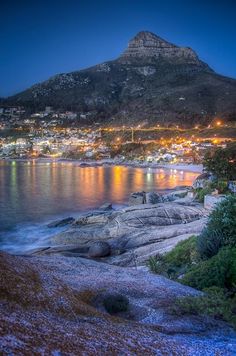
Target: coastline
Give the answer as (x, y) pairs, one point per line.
(196, 168)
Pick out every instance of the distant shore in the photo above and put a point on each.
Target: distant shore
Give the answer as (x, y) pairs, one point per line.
(196, 168)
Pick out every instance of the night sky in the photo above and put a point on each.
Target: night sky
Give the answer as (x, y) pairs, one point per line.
(39, 39)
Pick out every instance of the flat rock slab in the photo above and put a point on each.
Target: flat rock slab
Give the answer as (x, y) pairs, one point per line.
(154, 215)
(62, 222)
(61, 313)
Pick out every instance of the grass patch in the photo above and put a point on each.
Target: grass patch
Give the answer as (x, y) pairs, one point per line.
(176, 262)
(215, 303)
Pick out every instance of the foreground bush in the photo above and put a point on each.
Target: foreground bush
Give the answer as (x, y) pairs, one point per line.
(220, 230)
(219, 271)
(115, 303)
(215, 302)
(177, 261)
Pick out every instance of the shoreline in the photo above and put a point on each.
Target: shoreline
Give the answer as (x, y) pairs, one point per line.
(195, 168)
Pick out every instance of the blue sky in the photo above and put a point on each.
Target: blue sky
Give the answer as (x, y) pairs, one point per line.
(39, 39)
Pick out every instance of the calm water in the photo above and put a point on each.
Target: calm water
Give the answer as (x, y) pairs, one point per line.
(32, 194)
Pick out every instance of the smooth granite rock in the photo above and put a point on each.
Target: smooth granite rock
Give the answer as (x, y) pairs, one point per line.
(153, 198)
(99, 249)
(50, 306)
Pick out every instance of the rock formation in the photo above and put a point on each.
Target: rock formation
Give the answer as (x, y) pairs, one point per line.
(131, 235)
(48, 306)
(148, 45)
(99, 249)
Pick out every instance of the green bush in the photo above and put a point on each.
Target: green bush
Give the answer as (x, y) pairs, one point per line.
(177, 261)
(209, 243)
(219, 271)
(220, 185)
(215, 302)
(201, 192)
(115, 303)
(221, 162)
(220, 230)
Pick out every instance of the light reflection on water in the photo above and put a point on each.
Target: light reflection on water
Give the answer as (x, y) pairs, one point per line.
(33, 192)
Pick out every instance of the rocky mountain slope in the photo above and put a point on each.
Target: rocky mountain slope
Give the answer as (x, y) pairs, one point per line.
(54, 306)
(153, 81)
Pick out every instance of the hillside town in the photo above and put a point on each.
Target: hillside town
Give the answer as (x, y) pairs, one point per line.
(54, 134)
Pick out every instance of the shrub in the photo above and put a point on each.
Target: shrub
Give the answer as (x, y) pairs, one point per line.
(201, 192)
(209, 243)
(154, 263)
(219, 271)
(215, 302)
(221, 162)
(177, 261)
(115, 303)
(221, 228)
(220, 185)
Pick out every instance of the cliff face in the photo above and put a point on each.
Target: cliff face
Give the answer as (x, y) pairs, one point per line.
(148, 45)
(153, 81)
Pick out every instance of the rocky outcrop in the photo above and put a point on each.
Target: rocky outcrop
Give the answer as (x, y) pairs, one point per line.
(96, 217)
(146, 44)
(138, 198)
(154, 215)
(140, 230)
(106, 206)
(60, 223)
(50, 306)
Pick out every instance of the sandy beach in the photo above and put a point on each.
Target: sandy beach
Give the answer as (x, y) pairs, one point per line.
(196, 168)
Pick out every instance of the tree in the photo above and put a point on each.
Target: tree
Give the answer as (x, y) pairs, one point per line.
(222, 162)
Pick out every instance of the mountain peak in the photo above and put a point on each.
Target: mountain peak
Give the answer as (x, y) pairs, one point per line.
(146, 44)
(148, 38)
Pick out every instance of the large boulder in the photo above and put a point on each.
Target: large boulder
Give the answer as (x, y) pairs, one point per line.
(99, 249)
(176, 194)
(153, 198)
(210, 200)
(138, 198)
